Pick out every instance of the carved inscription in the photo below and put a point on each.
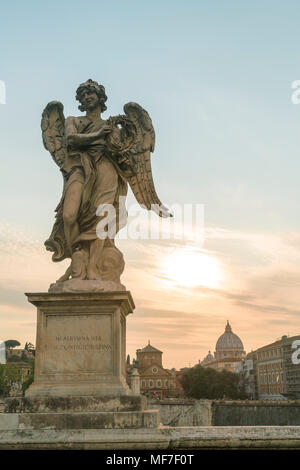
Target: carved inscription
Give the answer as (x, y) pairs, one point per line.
(76, 343)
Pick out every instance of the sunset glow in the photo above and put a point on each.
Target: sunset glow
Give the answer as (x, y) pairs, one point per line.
(191, 268)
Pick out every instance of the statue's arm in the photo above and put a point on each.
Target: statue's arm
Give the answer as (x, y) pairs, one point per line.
(75, 139)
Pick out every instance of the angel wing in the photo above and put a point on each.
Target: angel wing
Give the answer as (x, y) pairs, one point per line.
(137, 157)
(53, 131)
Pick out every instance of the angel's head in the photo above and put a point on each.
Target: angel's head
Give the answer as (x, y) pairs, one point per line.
(92, 94)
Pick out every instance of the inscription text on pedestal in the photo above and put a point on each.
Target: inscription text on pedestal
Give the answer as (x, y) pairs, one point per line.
(75, 343)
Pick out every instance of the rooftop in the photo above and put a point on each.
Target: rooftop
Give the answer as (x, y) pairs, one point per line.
(149, 348)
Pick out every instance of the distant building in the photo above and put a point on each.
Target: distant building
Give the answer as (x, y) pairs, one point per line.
(276, 375)
(24, 368)
(22, 354)
(208, 359)
(156, 382)
(229, 352)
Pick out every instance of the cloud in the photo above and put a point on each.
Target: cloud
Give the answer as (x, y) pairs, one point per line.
(269, 308)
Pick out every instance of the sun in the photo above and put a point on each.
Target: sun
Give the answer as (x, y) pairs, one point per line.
(190, 268)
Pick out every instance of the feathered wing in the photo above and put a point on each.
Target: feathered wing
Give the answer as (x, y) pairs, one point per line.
(140, 178)
(53, 133)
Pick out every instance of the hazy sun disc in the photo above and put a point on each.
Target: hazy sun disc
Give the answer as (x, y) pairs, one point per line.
(191, 269)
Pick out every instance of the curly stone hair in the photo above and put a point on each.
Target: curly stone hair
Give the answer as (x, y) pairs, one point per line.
(93, 86)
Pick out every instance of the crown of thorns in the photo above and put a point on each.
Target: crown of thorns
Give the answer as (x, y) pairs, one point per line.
(93, 86)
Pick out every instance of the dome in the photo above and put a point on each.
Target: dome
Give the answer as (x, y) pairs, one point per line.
(229, 340)
(208, 358)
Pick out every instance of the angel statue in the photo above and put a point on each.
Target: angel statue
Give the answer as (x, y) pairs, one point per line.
(98, 159)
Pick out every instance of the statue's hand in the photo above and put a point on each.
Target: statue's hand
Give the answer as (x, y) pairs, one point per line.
(83, 140)
(104, 130)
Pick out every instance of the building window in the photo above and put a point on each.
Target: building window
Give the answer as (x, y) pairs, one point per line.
(158, 383)
(143, 383)
(151, 383)
(166, 383)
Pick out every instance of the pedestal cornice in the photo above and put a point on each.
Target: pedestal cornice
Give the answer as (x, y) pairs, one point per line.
(121, 298)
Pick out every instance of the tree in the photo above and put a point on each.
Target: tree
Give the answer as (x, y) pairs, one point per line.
(29, 346)
(11, 343)
(9, 374)
(24, 356)
(3, 381)
(201, 382)
(30, 378)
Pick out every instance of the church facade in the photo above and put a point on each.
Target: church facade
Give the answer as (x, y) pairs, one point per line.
(156, 382)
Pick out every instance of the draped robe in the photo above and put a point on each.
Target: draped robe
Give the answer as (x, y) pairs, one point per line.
(102, 183)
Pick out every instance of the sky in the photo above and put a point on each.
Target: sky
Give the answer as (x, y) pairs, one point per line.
(216, 78)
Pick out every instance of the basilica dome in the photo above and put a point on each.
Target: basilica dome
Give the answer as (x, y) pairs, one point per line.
(229, 345)
(229, 340)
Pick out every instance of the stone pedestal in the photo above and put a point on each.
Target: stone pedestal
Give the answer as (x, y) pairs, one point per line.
(80, 344)
(80, 370)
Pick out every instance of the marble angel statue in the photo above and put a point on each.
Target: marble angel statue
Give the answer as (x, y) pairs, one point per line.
(98, 159)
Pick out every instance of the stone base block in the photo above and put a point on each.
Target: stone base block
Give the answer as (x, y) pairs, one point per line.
(75, 404)
(92, 420)
(186, 438)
